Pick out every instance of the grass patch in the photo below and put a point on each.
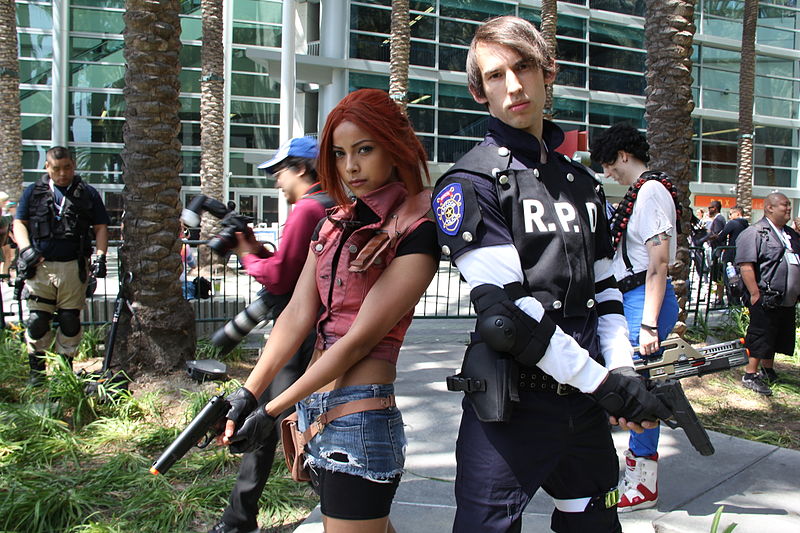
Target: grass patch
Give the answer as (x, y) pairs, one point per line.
(71, 463)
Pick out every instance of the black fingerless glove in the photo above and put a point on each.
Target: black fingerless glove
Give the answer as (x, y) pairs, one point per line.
(99, 266)
(242, 403)
(624, 395)
(254, 431)
(27, 261)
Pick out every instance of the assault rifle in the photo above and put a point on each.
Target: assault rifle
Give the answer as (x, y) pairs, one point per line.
(680, 360)
(208, 423)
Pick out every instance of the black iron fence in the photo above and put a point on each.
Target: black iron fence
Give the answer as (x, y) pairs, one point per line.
(447, 296)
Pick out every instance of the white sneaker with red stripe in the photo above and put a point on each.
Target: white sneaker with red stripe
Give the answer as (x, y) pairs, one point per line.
(639, 487)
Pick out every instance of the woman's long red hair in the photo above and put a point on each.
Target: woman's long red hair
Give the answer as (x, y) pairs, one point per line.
(373, 111)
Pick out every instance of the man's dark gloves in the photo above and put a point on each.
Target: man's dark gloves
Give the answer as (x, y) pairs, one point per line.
(242, 403)
(624, 395)
(99, 266)
(27, 261)
(254, 431)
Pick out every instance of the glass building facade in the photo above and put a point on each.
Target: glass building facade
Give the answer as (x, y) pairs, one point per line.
(343, 45)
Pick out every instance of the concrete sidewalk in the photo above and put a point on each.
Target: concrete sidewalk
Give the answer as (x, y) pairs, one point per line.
(757, 483)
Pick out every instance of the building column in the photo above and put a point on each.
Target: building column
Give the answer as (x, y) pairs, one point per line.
(334, 22)
(288, 87)
(227, 44)
(60, 118)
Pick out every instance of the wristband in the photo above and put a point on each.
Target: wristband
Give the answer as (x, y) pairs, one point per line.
(650, 328)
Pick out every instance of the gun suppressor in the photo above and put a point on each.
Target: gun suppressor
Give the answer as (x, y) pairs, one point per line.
(232, 333)
(202, 424)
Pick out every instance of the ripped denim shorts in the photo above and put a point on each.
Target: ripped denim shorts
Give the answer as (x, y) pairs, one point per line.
(369, 444)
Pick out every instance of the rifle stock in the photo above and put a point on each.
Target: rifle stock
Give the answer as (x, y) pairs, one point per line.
(208, 423)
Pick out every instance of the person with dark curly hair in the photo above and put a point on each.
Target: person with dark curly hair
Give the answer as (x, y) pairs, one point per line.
(643, 228)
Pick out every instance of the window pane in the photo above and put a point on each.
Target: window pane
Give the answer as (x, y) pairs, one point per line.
(422, 54)
(455, 32)
(34, 158)
(721, 152)
(189, 134)
(191, 29)
(34, 16)
(256, 34)
(369, 47)
(99, 3)
(457, 97)
(254, 85)
(776, 135)
(717, 130)
(95, 159)
(370, 19)
(478, 10)
(461, 124)
(773, 177)
(258, 10)
(627, 36)
(422, 119)
(721, 59)
(627, 7)
(96, 21)
(770, 156)
(35, 72)
(190, 56)
(574, 51)
(368, 81)
(606, 114)
(33, 101)
(776, 108)
(571, 75)
(96, 104)
(261, 113)
(423, 27)
(616, 82)
(719, 173)
(253, 137)
(35, 128)
(572, 26)
(35, 46)
(453, 58)
(98, 76)
(723, 100)
(421, 92)
(91, 49)
(190, 80)
(98, 130)
(572, 110)
(601, 56)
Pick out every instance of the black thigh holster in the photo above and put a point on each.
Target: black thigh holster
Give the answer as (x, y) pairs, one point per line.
(490, 381)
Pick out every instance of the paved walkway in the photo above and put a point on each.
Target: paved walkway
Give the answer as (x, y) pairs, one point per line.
(758, 484)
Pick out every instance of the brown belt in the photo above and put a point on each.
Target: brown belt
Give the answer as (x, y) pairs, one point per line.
(356, 406)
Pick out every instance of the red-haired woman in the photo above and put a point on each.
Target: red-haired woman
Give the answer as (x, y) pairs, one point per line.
(369, 263)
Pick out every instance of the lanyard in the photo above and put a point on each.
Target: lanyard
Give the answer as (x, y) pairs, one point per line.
(787, 240)
(59, 205)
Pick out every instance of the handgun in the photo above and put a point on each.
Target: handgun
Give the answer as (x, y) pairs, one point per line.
(669, 391)
(208, 423)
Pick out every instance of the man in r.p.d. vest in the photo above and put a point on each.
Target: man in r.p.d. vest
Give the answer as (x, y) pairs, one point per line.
(55, 222)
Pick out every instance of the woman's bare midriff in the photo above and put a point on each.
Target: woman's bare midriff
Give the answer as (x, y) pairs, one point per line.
(368, 371)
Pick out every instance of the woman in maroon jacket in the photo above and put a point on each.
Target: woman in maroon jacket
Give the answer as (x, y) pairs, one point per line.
(368, 265)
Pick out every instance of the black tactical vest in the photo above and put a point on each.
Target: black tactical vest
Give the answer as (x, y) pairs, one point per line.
(75, 223)
(554, 213)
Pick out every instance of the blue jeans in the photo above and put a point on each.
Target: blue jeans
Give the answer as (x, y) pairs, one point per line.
(644, 444)
(369, 444)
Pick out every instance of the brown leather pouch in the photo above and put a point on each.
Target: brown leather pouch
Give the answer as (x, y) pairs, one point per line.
(294, 448)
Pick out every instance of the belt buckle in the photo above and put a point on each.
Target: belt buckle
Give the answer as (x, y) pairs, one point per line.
(563, 389)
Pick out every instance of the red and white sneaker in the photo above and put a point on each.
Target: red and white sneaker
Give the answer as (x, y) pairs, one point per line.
(639, 487)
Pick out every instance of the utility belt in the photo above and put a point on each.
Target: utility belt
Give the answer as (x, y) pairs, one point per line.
(631, 282)
(492, 381)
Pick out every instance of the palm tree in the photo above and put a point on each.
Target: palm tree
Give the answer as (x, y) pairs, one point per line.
(744, 155)
(399, 51)
(10, 133)
(549, 24)
(212, 118)
(668, 34)
(161, 333)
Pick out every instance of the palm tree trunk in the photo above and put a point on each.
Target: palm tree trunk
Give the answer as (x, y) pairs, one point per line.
(212, 122)
(10, 133)
(668, 33)
(747, 75)
(161, 333)
(399, 51)
(549, 24)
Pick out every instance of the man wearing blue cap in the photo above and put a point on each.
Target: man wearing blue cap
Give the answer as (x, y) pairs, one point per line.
(294, 169)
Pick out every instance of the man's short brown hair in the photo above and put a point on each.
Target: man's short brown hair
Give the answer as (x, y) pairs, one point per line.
(515, 33)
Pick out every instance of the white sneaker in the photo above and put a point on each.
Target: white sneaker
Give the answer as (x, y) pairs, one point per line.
(639, 487)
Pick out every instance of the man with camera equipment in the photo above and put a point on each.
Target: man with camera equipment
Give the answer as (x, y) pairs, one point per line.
(294, 168)
(768, 254)
(55, 222)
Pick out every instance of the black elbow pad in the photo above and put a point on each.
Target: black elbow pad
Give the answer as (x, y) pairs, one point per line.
(504, 327)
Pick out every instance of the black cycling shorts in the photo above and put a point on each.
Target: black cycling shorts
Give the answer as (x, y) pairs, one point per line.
(348, 497)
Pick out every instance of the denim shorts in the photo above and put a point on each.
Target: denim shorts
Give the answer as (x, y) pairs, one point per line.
(369, 444)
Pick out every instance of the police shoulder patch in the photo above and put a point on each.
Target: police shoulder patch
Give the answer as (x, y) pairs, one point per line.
(448, 206)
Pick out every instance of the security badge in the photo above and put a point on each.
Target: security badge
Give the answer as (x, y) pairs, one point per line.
(449, 206)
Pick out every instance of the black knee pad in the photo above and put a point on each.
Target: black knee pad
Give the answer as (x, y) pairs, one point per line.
(39, 324)
(69, 321)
